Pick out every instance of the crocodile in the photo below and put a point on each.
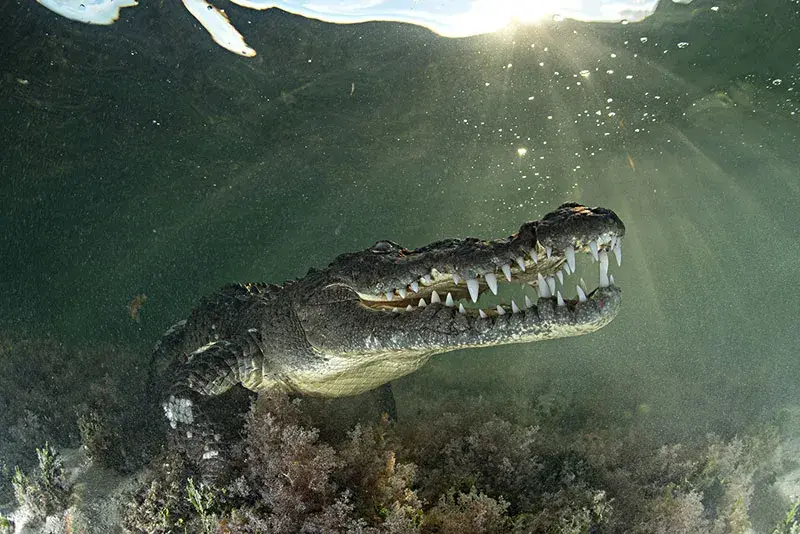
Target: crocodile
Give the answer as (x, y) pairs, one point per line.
(376, 315)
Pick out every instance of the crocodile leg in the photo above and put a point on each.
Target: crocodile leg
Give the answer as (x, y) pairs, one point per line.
(386, 401)
(208, 372)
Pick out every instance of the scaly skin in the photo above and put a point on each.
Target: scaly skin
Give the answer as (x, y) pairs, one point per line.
(358, 323)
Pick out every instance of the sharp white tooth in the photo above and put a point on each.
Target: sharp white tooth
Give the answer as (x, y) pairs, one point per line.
(482, 314)
(611, 279)
(582, 283)
(491, 279)
(461, 309)
(389, 295)
(402, 292)
(569, 252)
(567, 268)
(528, 302)
(409, 307)
(542, 287)
(426, 279)
(560, 299)
(604, 269)
(456, 279)
(560, 276)
(548, 251)
(472, 285)
(514, 307)
(448, 301)
(534, 255)
(395, 309)
(551, 284)
(581, 295)
(507, 271)
(435, 297)
(414, 287)
(500, 310)
(593, 248)
(421, 303)
(617, 248)
(521, 262)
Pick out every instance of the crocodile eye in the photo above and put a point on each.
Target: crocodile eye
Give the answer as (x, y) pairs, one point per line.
(382, 247)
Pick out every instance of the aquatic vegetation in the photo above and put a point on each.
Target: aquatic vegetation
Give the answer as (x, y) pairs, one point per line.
(458, 473)
(790, 524)
(6, 525)
(161, 505)
(68, 396)
(468, 513)
(46, 490)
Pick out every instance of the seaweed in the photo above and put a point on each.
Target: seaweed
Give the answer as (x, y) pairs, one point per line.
(46, 491)
(477, 473)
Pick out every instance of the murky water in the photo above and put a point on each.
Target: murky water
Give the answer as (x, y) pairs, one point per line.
(142, 159)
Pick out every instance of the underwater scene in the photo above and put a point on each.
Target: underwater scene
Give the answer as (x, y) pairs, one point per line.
(400, 266)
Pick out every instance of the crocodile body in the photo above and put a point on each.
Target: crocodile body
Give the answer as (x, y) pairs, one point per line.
(376, 315)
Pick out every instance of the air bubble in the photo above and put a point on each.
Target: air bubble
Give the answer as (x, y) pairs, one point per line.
(777, 81)
(683, 44)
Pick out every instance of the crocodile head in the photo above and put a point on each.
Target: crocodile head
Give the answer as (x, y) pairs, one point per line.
(387, 309)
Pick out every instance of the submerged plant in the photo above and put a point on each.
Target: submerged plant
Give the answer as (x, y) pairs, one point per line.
(6, 525)
(791, 521)
(465, 474)
(202, 499)
(46, 491)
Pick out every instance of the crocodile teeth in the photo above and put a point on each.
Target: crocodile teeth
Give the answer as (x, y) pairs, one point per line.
(472, 285)
(514, 307)
(569, 252)
(409, 308)
(568, 269)
(421, 303)
(435, 297)
(449, 301)
(491, 279)
(402, 292)
(617, 248)
(395, 309)
(551, 285)
(414, 287)
(604, 269)
(542, 288)
(506, 268)
(581, 295)
(482, 314)
(593, 248)
(426, 279)
(500, 310)
(582, 283)
(534, 255)
(560, 276)
(548, 251)
(528, 301)
(389, 295)
(560, 299)
(611, 279)
(461, 309)
(456, 279)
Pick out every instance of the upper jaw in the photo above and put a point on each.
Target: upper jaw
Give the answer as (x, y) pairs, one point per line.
(541, 254)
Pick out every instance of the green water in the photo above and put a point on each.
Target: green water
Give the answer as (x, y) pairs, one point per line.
(143, 159)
